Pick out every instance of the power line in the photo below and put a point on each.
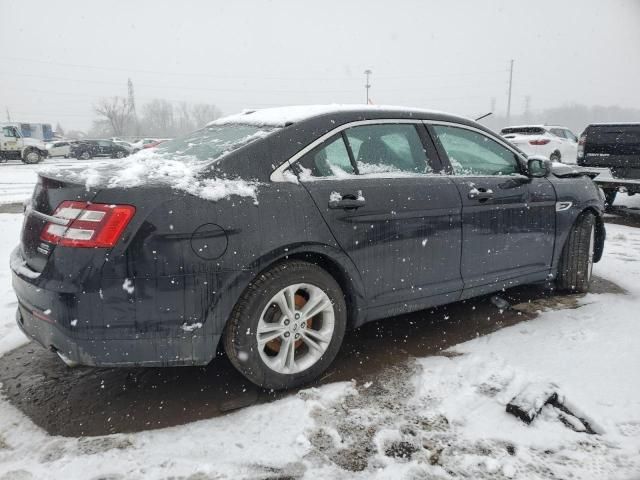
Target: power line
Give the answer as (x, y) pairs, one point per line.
(252, 77)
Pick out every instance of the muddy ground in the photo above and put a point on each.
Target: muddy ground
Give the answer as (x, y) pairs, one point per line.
(96, 401)
(87, 401)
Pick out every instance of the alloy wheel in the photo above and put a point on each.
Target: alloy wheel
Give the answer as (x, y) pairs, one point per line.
(295, 328)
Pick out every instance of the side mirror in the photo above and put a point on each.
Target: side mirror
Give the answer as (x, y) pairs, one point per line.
(538, 166)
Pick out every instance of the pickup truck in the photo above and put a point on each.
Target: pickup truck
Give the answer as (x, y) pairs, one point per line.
(13, 146)
(615, 147)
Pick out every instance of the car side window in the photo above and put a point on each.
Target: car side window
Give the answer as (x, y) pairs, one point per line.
(330, 159)
(569, 134)
(558, 132)
(473, 153)
(388, 147)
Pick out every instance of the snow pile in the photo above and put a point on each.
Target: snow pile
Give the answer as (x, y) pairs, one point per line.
(10, 336)
(282, 116)
(149, 167)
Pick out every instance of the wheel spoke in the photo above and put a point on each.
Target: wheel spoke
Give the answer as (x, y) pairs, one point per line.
(311, 343)
(285, 357)
(291, 358)
(269, 336)
(285, 301)
(314, 306)
(268, 331)
(317, 336)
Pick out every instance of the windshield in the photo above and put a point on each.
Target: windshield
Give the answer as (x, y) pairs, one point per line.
(213, 141)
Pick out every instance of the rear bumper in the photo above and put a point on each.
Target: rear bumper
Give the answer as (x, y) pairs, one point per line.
(53, 319)
(160, 352)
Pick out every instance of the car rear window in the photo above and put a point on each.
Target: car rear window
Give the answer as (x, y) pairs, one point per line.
(522, 130)
(213, 141)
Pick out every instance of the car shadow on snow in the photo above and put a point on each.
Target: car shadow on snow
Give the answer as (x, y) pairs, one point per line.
(97, 401)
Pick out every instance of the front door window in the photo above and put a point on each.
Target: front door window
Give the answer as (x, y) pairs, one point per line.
(472, 153)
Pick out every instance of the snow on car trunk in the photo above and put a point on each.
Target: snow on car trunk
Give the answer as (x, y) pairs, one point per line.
(441, 416)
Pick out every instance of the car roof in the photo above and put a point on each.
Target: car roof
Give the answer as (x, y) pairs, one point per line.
(284, 116)
(546, 127)
(615, 124)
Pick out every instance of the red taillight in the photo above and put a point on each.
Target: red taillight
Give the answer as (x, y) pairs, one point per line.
(539, 141)
(89, 225)
(581, 142)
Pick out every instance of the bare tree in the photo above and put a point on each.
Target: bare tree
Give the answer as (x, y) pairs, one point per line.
(185, 123)
(158, 118)
(203, 113)
(116, 111)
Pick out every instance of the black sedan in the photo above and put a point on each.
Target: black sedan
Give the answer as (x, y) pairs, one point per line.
(270, 233)
(87, 149)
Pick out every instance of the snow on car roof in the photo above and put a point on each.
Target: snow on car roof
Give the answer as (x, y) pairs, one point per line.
(281, 116)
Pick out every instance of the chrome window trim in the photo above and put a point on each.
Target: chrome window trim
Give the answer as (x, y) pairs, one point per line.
(29, 210)
(278, 174)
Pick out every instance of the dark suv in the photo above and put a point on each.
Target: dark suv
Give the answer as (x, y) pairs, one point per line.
(615, 146)
(270, 233)
(86, 149)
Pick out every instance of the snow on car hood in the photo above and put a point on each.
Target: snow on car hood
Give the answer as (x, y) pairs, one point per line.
(150, 167)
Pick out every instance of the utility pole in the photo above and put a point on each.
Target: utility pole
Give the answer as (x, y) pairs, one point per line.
(8, 115)
(509, 98)
(131, 100)
(367, 86)
(527, 107)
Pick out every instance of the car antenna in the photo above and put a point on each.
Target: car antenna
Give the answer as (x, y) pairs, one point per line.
(483, 116)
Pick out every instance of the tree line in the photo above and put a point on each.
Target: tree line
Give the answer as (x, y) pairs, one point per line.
(158, 118)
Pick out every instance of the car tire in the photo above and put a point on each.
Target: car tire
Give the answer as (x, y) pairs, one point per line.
(120, 154)
(576, 261)
(86, 155)
(32, 157)
(609, 198)
(555, 157)
(283, 357)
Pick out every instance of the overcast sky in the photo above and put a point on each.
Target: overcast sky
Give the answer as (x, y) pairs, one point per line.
(59, 57)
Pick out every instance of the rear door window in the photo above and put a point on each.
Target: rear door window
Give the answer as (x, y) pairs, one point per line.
(330, 159)
(388, 148)
(472, 153)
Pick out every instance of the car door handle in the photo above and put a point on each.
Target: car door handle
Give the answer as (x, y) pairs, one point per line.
(347, 202)
(480, 193)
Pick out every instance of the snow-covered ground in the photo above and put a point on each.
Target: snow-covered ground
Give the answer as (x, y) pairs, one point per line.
(438, 417)
(18, 179)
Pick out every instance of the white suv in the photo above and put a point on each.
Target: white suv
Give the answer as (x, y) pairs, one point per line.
(558, 144)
